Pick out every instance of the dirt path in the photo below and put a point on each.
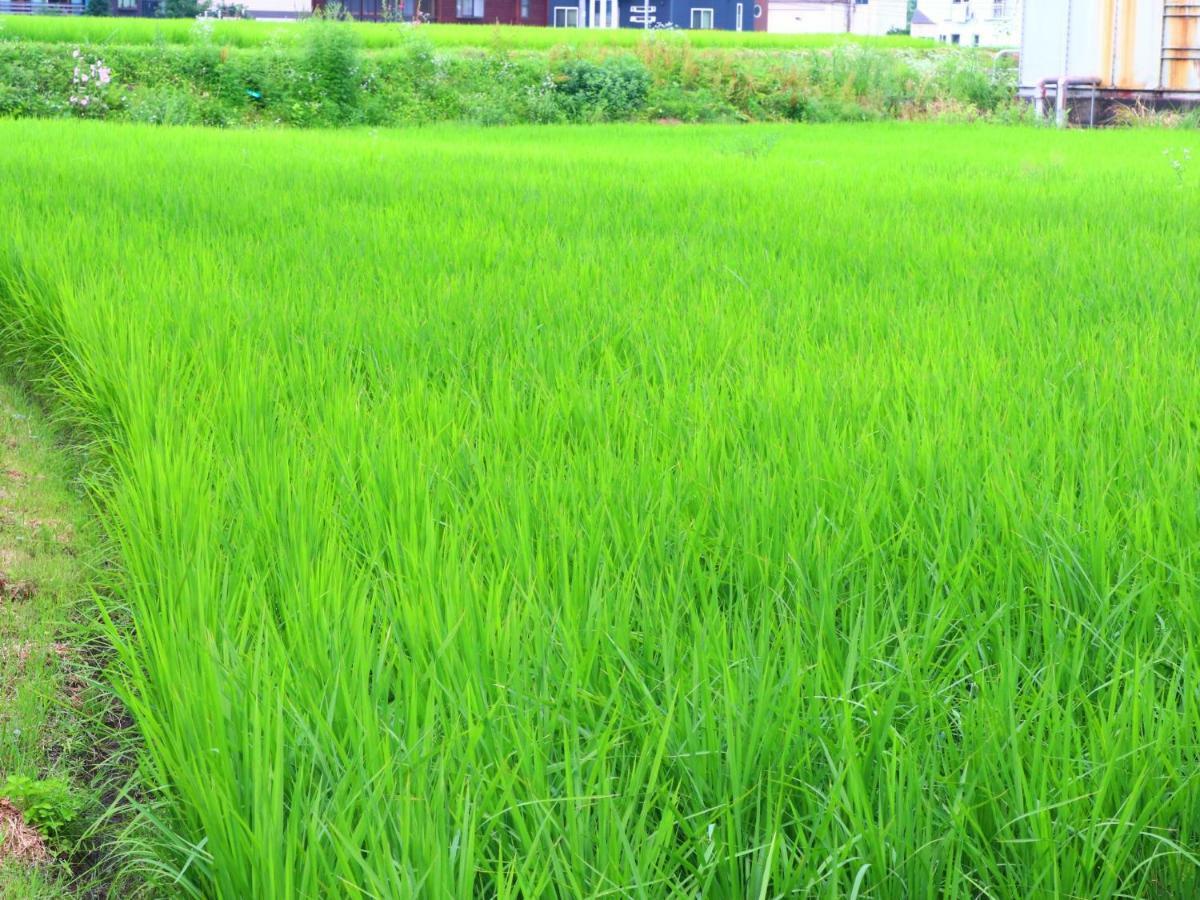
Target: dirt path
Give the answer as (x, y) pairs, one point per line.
(48, 707)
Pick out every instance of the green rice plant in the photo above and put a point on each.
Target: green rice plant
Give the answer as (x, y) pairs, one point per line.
(377, 36)
(629, 511)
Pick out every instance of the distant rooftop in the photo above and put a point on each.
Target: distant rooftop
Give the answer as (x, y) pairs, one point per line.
(919, 18)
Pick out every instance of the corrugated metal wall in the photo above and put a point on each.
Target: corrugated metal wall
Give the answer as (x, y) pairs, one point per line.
(1181, 46)
(1131, 45)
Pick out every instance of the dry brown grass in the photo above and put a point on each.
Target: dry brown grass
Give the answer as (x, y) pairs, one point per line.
(19, 842)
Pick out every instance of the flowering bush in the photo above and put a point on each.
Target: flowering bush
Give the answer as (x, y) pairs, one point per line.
(89, 85)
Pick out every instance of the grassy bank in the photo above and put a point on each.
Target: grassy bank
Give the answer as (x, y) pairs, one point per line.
(373, 36)
(57, 727)
(636, 511)
(323, 76)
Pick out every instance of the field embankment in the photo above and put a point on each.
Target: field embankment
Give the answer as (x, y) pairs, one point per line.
(639, 512)
(377, 36)
(59, 728)
(332, 74)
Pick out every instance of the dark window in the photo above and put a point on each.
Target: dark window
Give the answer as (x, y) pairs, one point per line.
(470, 9)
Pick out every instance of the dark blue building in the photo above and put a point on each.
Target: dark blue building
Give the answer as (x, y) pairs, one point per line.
(726, 15)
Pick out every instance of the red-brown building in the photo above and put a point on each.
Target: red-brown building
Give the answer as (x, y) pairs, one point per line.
(503, 12)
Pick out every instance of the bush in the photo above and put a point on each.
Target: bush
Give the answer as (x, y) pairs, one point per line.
(182, 9)
(48, 805)
(96, 8)
(614, 88)
(326, 89)
(162, 105)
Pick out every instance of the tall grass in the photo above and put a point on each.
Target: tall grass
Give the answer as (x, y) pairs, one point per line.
(634, 511)
(374, 36)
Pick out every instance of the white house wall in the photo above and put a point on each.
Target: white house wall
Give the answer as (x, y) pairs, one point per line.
(278, 9)
(836, 16)
(803, 17)
(986, 23)
(879, 16)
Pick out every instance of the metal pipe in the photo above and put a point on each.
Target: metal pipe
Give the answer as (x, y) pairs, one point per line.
(1039, 104)
(999, 54)
(1062, 85)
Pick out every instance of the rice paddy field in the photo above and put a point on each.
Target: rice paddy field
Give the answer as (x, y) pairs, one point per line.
(380, 36)
(632, 511)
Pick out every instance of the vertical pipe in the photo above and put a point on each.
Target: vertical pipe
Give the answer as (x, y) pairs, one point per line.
(1066, 57)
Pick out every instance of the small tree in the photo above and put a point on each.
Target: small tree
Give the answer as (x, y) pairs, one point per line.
(182, 9)
(96, 8)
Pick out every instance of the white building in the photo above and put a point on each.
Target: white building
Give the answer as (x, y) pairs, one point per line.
(973, 23)
(836, 16)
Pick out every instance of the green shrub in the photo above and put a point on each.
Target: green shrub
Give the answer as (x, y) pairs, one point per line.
(326, 86)
(182, 9)
(48, 805)
(614, 88)
(163, 105)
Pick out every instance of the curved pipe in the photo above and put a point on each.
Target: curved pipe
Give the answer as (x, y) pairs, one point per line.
(1000, 54)
(1062, 83)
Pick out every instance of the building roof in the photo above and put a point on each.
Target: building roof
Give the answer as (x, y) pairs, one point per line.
(919, 18)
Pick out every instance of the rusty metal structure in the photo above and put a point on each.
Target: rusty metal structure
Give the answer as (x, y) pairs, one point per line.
(1090, 56)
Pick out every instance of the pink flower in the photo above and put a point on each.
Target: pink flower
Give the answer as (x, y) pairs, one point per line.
(83, 78)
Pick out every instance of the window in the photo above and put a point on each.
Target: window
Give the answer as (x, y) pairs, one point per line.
(524, 9)
(566, 17)
(976, 40)
(758, 10)
(126, 4)
(739, 17)
(469, 9)
(702, 18)
(956, 38)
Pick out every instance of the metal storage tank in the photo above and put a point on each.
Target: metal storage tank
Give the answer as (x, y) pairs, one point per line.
(1115, 51)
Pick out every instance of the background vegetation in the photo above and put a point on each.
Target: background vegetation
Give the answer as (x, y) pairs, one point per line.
(633, 511)
(321, 76)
